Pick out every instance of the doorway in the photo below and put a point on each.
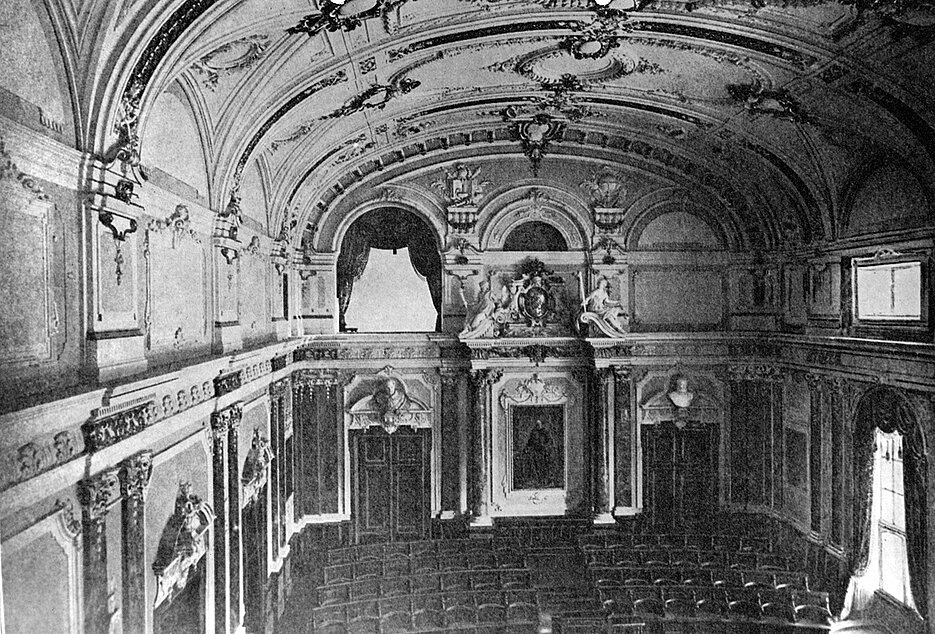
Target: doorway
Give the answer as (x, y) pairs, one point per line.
(680, 473)
(392, 474)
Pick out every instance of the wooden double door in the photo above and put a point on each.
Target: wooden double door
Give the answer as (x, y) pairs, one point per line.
(391, 474)
(680, 473)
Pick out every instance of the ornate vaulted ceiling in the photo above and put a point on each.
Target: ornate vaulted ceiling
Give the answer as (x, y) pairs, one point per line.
(759, 113)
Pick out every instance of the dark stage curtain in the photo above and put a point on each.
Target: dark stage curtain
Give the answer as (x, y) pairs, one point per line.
(887, 410)
(389, 229)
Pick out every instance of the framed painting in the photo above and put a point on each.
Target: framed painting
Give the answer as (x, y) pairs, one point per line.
(538, 442)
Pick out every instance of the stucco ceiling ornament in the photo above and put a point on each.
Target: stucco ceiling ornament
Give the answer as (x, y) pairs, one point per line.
(757, 100)
(234, 56)
(347, 15)
(538, 125)
(374, 98)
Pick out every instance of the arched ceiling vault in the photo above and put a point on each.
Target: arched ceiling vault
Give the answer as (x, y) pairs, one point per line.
(765, 108)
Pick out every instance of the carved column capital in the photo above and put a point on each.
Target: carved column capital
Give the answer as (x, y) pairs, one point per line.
(753, 372)
(136, 473)
(622, 372)
(98, 492)
(449, 376)
(487, 377)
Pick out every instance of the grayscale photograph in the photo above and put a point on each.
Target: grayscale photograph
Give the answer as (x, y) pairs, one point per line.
(477, 316)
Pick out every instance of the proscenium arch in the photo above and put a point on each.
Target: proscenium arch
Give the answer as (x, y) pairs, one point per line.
(564, 211)
(333, 225)
(389, 227)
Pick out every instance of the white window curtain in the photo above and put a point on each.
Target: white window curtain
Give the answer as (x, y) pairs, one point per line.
(861, 589)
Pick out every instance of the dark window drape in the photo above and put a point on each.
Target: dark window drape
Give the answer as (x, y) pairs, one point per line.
(389, 229)
(888, 410)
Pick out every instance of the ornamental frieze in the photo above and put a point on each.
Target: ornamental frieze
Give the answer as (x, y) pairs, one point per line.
(111, 429)
(227, 383)
(38, 456)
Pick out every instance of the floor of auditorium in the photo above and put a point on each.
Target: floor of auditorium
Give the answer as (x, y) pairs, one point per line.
(564, 577)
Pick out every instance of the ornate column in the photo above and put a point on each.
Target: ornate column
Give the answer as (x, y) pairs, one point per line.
(450, 472)
(816, 389)
(97, 494)
(624, 440)
(484, 381)
(604, 437)
(220, 429)
(234, 518)
(135, 473)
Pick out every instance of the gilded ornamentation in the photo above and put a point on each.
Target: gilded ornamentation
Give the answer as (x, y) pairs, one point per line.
(183, 543)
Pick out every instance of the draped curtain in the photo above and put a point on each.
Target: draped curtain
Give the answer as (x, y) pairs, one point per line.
(388, 229)
(886, 410)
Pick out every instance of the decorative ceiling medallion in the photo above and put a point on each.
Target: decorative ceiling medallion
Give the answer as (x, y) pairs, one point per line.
(374, 98)
(234, 56)
(346, 16)
(551, 66)
(757, 100)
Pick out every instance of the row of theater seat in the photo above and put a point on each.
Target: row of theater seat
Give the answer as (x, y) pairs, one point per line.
(338, 573)
(681, 603)
(394, 626)
(379, 552)
(706, 577)
(429, 612)
(432, 583)
(623, 556)
(690, 541)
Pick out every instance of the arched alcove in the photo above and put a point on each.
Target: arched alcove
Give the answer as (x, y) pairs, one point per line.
(883, 196)
(389, 229)
(171, 141)
(32, 69)
(535, 236)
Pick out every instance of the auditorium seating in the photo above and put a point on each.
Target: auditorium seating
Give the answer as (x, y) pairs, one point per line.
(630, 581)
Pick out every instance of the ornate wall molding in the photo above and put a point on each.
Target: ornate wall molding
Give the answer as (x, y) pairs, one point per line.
(227, 383)
(9, 170)
(251, 49)
(106, 428)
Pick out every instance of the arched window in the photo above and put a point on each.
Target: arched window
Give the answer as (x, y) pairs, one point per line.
(535, 236)
(889, 545)
(392, 281)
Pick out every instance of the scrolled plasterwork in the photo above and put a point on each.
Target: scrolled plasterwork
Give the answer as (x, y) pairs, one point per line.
(9, 170)
(389, 405)
(219, 62)
(179, 222)
(536, 391)
(184, 542)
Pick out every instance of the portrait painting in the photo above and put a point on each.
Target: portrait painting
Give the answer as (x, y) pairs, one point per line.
(538, 446)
